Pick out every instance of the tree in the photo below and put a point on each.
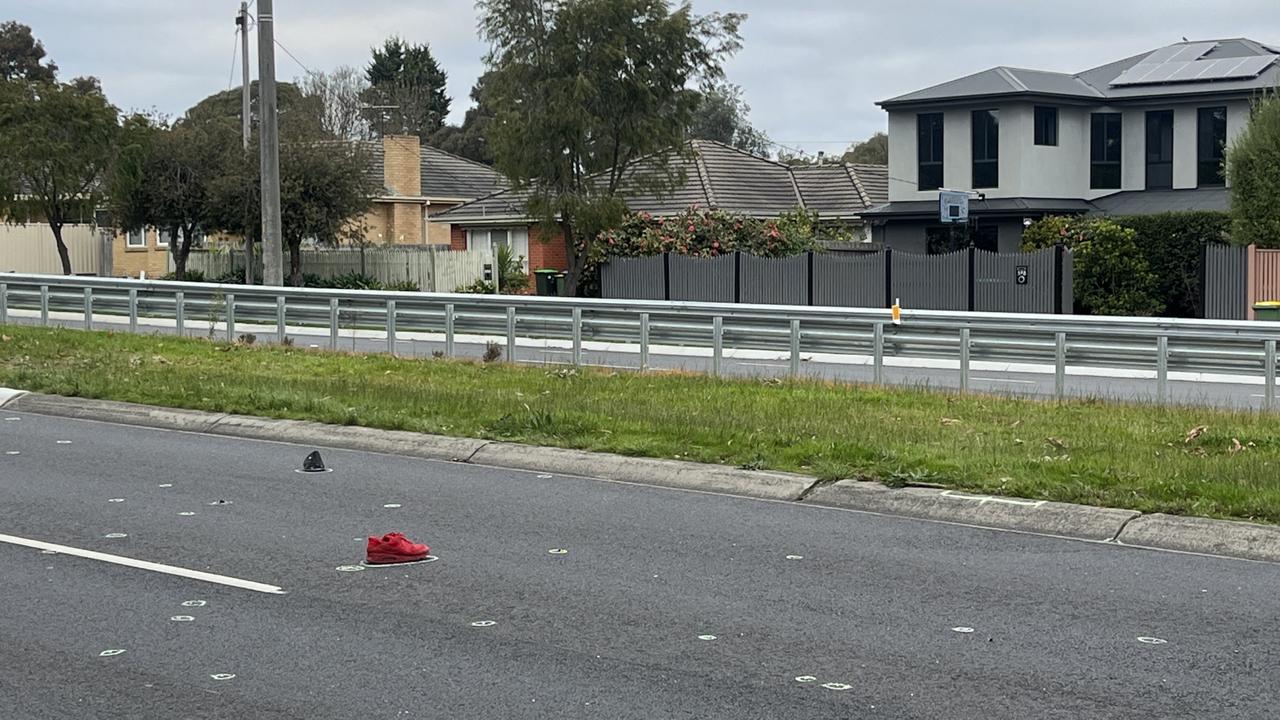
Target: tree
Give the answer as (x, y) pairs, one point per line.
(301, 116)
(470, 139)
(324, 189)
(20, 55)
(722, 116)
(338, 95)
(872, 151)
(164, 178)
(406, 94)
(57, 145)
(583, 90)
(1253, 164)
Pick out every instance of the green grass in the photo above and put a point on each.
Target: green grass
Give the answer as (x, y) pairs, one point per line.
(1086, 452)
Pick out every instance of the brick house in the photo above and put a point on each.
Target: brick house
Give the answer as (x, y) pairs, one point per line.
(715, 176)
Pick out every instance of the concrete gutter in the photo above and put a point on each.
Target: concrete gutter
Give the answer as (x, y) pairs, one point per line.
(1081, 522)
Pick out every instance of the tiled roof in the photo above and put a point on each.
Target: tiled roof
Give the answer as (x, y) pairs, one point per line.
(445, 175)
(722, 177)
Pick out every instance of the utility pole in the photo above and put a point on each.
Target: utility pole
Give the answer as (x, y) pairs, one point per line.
(269, 142)
(246, 123)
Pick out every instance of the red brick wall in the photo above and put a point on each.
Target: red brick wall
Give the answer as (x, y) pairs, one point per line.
(457, 237)
(549, 253)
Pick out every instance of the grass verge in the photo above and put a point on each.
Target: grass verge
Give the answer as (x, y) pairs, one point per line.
(1176, 460)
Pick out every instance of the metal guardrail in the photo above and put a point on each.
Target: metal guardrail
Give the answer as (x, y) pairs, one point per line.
(1152, 344)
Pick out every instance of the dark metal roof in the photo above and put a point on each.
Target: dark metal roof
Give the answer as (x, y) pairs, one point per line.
(1096, 83)
(722, 177)
(1005, 206)
(1152, 202)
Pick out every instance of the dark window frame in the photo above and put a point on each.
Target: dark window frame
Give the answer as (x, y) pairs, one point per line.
(930, 146)
(1106, 158)
(1046, 125)
(984, 128)
(1211, 147)
(1163, 165)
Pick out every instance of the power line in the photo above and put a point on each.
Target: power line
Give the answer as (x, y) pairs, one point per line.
(305, 69)
(235, 46)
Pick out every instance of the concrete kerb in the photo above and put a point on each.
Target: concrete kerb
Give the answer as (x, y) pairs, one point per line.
(1125, 527)
(1047, 518)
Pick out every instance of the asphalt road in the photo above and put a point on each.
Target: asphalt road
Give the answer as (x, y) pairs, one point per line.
(1015, 384)
(815, 612)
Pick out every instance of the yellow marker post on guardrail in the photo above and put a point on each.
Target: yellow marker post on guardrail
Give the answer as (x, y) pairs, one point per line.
(897, 311)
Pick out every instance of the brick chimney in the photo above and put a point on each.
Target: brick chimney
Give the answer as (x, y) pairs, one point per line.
(402, 174)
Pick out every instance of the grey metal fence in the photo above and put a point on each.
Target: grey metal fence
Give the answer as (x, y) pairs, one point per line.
(971, 279)
(1226, 282)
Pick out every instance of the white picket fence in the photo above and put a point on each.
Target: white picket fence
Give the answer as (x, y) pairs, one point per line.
(432, 270)
(31, 249)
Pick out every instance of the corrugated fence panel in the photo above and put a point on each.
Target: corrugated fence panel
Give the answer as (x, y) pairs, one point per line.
(855, 280)
(774, 281)
(1266, 276)
(1226, 282)
(459, 268)
(1021, 283)
(1068, 282)
(702, 279)
(637, 278)
(932, 282)
(31, 249)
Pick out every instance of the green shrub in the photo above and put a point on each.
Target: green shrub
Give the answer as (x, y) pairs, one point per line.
(1112, 276)
(1253, 165)
(195, 276)
(479, 287)
(1174, 247)
(511, 275)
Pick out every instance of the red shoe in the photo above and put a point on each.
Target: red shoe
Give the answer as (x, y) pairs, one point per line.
(394, 548)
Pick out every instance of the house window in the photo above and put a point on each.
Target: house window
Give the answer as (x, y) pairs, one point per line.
(1104, 153)
(491, 239)
(1211, 142)
(1046, 126)
(986, 148)
(1160, 150)
(163, 238)
(929, 136)
(136, 239)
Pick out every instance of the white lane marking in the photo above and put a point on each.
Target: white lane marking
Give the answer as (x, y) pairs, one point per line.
(111, 653)
(1005, 380)
(1152, 641)
(145, 565)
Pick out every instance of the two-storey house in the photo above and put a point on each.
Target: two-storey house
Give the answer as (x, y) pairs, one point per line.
(1142, 135)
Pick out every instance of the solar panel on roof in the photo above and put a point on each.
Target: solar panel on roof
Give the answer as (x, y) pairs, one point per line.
(1135, 74)
(1199, 70)
(1185, 52)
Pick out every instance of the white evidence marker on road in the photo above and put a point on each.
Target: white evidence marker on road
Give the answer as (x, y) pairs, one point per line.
(64, 442)
(795, 557)
(557, 551)
(483, 623)
(111, 653)
(115, 536)
(48, 552)
(1152, 641)
(393, 506)
(13, 419)
(115, 500)
(962, 630)
(194, 603)
(182, 618)
(165, 485)
(186, 513)
(806, 679)
(13, 452)
(837, 686)
(144, 565)
(223, 676)
(349, 568)
(545, 476)
(707, 637)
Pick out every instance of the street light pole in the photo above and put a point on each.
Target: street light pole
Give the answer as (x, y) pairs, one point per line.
(269, 141)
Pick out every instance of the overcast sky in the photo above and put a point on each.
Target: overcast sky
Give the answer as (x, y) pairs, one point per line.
(812, 70)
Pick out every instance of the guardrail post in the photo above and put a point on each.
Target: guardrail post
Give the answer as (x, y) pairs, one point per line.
(577, 337)
(965, 346)
(717, 338)
(1162, 370)
(333, 324)
(795, 348)
(644, 342)
(1270, 393)
(180, 313)
(391, 327)
(1060, 366)
(44, 304)
(282, 332)
(511, 334)
(231, 317)
(877, 353)
(133, 310)
(448, 330)
(4, 303)
(88, 308)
